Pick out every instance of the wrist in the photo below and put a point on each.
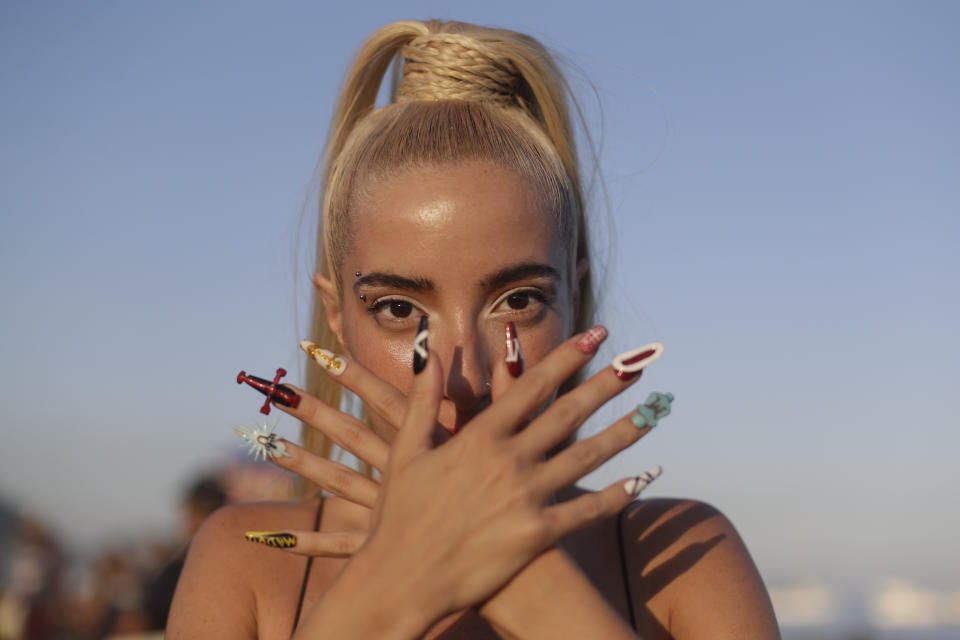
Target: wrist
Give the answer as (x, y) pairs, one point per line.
(371, 598)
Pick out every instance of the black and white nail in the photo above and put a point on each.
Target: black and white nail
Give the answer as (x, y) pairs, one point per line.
(634, 486)
(420, 351)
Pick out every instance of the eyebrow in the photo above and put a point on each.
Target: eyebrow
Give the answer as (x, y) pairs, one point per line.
(519, 272)
(493, 281)
(392, 280)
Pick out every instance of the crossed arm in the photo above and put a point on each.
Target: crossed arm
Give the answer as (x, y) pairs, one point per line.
(467, 524)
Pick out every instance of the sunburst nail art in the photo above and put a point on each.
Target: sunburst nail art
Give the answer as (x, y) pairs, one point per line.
(279, 539)
(262, 441)
(334, 364)
(420, 349)
(629, 364)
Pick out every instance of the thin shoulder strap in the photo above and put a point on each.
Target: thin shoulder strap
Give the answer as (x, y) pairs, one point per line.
(623, 569)
(306, 573)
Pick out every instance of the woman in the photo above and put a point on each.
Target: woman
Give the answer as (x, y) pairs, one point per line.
(453, 233)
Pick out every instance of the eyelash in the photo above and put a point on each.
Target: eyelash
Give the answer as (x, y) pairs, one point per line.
(536, 295)
(377, 308)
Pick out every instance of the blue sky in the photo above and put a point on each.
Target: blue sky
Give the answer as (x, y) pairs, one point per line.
(784, 188)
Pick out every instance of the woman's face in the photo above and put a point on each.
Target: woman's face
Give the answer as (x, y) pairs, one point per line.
(471, 248)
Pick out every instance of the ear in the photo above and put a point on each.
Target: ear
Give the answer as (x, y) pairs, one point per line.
(331, 304)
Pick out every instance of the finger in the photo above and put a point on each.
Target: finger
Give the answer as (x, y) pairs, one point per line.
(591, 508)
(379, 396)
(338, 544)
(583, 456)
(337, 478)
(570, 411)
(423, 401)
(345, 430)
(539, 383)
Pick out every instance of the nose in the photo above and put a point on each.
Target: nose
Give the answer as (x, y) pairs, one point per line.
(466, 357)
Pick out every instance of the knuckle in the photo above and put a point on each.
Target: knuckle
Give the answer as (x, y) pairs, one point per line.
(565, 412)
(343, 544)
(535, 534)
(593, 508)
(392, 407)
(340, 481)
(538, 384)
(585, 455)
(351, 436)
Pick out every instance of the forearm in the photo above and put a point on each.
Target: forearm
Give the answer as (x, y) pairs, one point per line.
(551, 598)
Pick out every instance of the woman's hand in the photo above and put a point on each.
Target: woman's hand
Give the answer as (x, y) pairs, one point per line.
(359, 440)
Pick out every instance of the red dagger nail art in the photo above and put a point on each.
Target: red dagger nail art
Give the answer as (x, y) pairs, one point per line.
(274, 391)
(514, 357)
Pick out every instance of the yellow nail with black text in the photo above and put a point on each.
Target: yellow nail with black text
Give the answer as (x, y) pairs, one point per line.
(278, 539)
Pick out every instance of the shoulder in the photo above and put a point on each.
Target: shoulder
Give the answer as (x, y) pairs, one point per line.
(224, 575)
(686, 560)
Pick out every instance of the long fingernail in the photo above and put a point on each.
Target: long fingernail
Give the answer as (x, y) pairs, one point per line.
(514, 357)
(420, 350)
(634, 486)
(591, 339)
(650, 412)
(262, 441)
(334, 364)
(276, 392)
(272, 538)
(629, 364)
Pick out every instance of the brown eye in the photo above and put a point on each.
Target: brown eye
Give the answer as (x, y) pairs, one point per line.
(518, 301)
(400, 309)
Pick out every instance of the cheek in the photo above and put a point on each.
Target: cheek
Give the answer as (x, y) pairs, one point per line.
(389, 358)
(538, 343)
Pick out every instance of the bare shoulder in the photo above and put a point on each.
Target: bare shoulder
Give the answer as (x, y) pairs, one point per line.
(222, 582)
(689, 567)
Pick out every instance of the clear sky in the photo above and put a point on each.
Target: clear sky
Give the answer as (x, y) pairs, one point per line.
(784, 188)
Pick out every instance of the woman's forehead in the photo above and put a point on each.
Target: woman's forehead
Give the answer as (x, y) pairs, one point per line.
(470, 218)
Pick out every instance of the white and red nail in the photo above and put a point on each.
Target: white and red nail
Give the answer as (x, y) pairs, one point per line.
(629, 364)
(514, 357)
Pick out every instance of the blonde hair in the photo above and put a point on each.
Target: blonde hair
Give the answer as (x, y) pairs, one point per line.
(460, 93)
